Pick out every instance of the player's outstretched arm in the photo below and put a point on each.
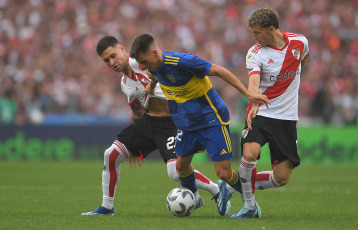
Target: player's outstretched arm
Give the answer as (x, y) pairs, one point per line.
(230, 78)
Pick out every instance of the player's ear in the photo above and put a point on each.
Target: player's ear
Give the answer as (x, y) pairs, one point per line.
(155, 52)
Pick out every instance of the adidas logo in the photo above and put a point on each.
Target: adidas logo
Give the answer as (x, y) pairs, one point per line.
(270, 61)
(223, 152)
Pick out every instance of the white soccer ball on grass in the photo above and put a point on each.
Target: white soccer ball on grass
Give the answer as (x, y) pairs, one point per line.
(181, 202)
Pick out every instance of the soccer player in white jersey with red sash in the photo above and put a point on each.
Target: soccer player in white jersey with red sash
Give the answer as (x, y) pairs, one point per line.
(152, 127)
(274, 64)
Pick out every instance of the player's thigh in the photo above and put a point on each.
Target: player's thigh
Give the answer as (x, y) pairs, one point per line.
(253, 139)
(282, 140)
(217, 142)
(136, 142)
(187, 143)
(164, 137)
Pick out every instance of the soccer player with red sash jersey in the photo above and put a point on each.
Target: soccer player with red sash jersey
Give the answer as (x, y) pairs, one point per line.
(274, 64)
(152, 127)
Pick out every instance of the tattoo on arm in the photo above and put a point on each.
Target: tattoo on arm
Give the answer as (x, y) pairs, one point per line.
(137, 111)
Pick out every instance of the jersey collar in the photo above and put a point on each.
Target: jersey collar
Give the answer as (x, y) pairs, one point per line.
(287, 41)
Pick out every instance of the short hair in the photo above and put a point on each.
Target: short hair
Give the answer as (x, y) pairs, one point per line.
(106, 42)
(141, 44)
(265, 18)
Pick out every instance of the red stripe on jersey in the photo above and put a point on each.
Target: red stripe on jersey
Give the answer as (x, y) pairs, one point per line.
(133, 102)
(254, 72)
(202, 178)
(290, 64)
(112, 171)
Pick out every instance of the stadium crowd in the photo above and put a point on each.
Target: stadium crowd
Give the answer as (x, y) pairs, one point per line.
(49, 64)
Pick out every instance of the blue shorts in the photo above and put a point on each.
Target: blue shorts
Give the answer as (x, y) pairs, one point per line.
(216, 140)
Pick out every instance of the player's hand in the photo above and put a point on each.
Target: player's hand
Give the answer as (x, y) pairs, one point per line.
(258, 98)
(133, 161)
(151, 77)
(252, 114)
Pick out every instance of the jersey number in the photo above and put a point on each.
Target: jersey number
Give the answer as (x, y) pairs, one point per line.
(170, 143)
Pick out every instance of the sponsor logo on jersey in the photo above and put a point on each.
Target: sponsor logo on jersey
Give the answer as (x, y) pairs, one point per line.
(296, 53)
(286, 75)
(249, 57)
(171, 78)
(177, 93)
(244, 133)
(250, 69)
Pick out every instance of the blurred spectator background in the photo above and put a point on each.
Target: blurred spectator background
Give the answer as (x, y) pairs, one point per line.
(50, 72)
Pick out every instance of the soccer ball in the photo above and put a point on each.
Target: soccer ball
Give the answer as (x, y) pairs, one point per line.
(181, 202)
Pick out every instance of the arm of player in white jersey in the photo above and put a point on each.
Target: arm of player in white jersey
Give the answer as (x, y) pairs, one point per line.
(230, 78)
(303, 62)
(153, 82)
(254, 87)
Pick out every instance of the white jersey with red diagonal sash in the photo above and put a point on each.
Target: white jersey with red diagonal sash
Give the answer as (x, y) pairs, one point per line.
(134, 86)
(279, 71)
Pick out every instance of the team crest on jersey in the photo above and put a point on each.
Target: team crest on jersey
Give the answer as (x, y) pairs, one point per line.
(244, 133)
(249, 57)
(171, 78)
(296, 53)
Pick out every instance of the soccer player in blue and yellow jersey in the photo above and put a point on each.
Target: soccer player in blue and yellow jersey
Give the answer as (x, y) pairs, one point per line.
(199, 113)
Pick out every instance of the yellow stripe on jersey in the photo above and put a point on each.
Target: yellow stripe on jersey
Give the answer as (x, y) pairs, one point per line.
(170, 57)
(171, 63)
(216, 112)
(227, 137)
(195, 88)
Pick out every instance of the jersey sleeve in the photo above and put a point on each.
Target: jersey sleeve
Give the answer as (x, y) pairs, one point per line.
(306, 49)
(195, 66)
(252, 63)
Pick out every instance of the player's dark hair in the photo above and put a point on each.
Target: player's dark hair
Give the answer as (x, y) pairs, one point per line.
(141, 44)
(265, 18)
(106, 42)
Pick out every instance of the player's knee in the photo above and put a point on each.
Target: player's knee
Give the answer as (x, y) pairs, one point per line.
(224, 175)
(250, 156)
(282, 179)
(107, 153)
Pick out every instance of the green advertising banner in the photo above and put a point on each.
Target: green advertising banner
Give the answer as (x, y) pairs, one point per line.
(320, 145)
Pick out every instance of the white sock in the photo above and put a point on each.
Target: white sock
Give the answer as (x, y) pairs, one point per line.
(248, 177)
(265, 180)
(202, 182)
(113, 156)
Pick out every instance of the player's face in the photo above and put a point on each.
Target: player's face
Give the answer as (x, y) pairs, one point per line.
(149, 60)
(262, 35)
(115, 58)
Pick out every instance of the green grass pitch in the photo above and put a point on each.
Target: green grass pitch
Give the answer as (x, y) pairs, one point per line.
(53, 195)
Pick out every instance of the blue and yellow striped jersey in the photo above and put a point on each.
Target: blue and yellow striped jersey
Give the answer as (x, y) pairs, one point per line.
(193, 102)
